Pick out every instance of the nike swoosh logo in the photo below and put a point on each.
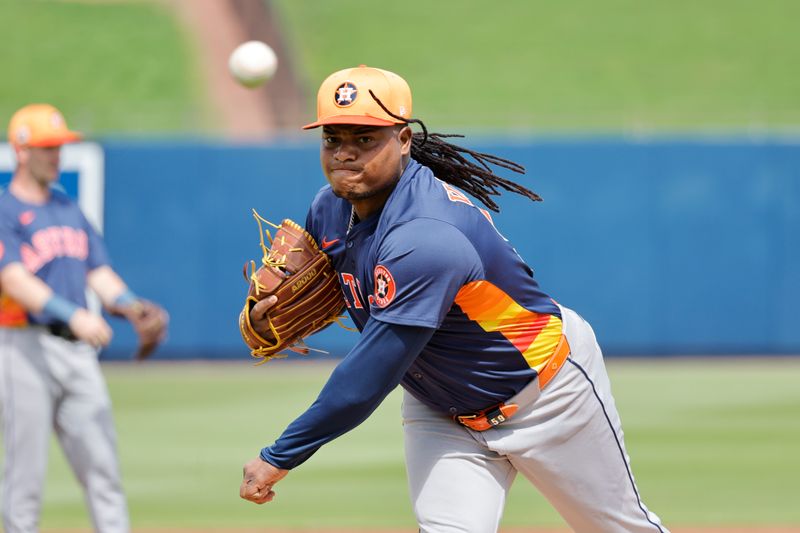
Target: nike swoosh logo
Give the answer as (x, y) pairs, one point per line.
(327, 244)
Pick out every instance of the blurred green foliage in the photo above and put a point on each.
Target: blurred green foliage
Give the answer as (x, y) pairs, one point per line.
(520, 65)
(119, 67)
(619, 65)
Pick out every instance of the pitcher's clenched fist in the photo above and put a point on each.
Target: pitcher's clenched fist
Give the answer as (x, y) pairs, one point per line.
(258, 480)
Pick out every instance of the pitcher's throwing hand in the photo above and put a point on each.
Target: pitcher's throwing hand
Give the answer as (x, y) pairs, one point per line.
(258, 480)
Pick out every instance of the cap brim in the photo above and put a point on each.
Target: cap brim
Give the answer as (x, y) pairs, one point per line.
(358, 120)
(56, 140)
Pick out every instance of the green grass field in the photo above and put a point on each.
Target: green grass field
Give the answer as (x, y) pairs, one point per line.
(713, 442)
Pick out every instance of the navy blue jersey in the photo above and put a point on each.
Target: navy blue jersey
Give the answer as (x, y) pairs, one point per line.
(431, 258)
(446, 306)
(55, 242)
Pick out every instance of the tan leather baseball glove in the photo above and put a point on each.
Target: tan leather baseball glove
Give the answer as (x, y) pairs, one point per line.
(309, 297)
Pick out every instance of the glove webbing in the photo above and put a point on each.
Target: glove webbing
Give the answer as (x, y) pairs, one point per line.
(276, 259)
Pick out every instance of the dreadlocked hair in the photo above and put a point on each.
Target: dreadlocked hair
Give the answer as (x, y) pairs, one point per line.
(450, 164)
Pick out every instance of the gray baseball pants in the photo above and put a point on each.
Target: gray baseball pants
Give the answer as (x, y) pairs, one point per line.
(48, 383)
(566, 440)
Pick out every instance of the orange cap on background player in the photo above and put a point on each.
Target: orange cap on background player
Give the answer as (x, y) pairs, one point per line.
(40, 125)
(344, 98)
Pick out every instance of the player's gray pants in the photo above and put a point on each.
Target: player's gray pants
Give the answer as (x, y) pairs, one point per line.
(566, 440)
(49, 383)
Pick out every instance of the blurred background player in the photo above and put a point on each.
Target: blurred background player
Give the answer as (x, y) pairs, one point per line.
(499, 379)
(51, 379)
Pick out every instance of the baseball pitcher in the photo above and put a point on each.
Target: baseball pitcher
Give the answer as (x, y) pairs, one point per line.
(499, 378)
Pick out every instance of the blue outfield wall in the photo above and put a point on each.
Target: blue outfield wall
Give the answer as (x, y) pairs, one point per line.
(664, 246)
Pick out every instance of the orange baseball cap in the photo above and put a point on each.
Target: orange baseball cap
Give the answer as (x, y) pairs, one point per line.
(40, 125)
(344, 98)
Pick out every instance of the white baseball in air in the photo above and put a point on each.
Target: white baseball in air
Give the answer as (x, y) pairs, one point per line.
(252, 63)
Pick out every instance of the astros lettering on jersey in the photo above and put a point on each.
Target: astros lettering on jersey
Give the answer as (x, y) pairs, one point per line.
(53, 241)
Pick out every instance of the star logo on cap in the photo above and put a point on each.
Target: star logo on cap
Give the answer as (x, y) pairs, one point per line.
(346, 94)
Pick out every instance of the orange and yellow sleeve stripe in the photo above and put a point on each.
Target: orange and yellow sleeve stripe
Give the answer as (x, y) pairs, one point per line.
(535, 335)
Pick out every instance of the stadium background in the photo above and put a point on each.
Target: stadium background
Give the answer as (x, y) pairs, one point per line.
(662, 137)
